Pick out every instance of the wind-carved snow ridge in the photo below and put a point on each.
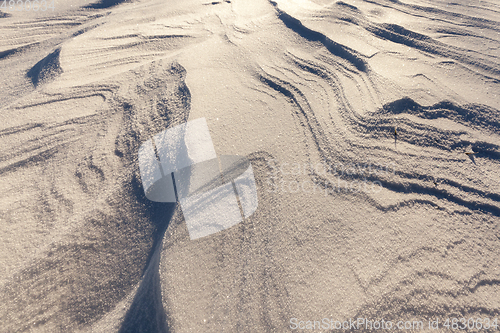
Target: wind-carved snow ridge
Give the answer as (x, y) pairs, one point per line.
(46, 69)
(335, 49)
(377, 126)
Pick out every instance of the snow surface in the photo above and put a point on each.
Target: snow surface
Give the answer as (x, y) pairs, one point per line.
(401, 95)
